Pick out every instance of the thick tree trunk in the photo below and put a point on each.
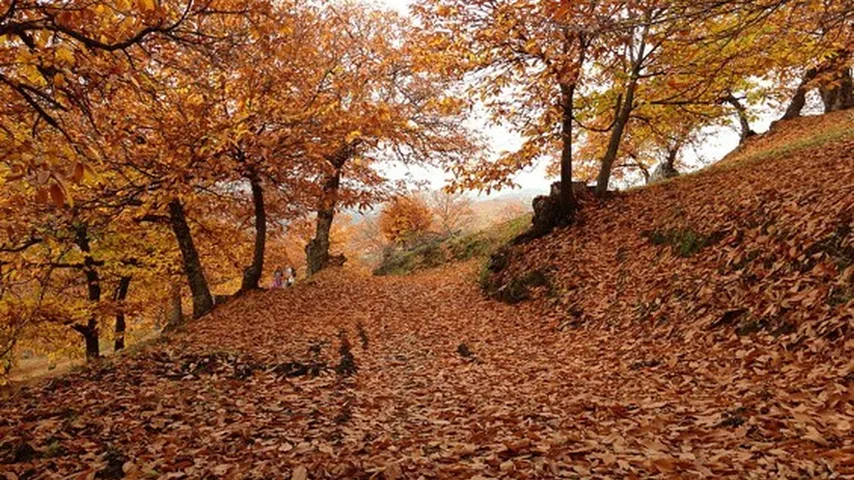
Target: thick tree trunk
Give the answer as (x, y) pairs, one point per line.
(90, 336)
(567, 196)
(621, 117)
(93, 289)
(174, 313)
(202, 299)
(120, 295)
(799, 99)
(846, 95)
(317, 250)
(252, 273)
(746, 131)
(838, 93)
(672, 153)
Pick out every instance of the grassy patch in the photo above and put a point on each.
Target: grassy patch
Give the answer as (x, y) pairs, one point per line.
(439, 251)
(402, 262)
(684, 242)
(803, 138)
(769, 146)
(483, 243)
(836, 246)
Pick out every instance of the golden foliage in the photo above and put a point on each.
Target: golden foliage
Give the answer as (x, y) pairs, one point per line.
(405, 218)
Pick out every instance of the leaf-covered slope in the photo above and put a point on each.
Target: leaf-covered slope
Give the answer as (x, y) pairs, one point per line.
(763, 242)
(742, 274)
(792, 135)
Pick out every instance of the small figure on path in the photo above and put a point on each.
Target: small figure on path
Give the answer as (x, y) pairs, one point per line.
(290, 276)
(278, 278)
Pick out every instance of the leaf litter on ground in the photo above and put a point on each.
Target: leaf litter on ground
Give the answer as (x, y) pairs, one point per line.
(729, 358)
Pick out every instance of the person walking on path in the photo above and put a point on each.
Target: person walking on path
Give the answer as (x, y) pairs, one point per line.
(290, 276)
(278, 278)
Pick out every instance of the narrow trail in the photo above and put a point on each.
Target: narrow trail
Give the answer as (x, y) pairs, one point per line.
(530, 399)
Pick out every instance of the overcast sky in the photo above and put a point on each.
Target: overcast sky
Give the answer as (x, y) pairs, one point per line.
(400, 5)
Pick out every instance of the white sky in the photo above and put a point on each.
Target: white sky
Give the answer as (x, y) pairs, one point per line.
(719, 143)
(401, 6)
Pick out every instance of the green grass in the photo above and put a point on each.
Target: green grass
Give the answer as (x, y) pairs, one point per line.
(419, 257)
(459, 248)
(787, 149)
(685, 242)
(781, 148)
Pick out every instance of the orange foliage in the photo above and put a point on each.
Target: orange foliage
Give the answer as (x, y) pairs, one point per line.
(638, 361)
(405, 218)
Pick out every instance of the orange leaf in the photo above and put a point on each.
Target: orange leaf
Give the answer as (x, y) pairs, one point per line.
(57, 195)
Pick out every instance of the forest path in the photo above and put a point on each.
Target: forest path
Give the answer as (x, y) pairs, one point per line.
(230, 397)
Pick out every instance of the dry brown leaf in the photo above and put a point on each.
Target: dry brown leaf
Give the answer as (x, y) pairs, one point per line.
(299, 473)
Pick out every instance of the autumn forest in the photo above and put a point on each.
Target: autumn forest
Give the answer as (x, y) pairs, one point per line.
(267, 239)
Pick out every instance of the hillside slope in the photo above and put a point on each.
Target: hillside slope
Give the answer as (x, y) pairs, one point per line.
(716, 344)
(762, 241)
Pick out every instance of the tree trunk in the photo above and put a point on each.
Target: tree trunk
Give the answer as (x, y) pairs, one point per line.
(202, 300)
(838, 93)
(252, 273)
(643, 169)
(567, 196)
(847, 90)
(120, 295)
(746, 131)
(90, 336)
(799, 99)
(672, 153)
(667, 168)
(317, 250)
(622, 113)
(93, 289)
(621, 119)
(174, 313)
